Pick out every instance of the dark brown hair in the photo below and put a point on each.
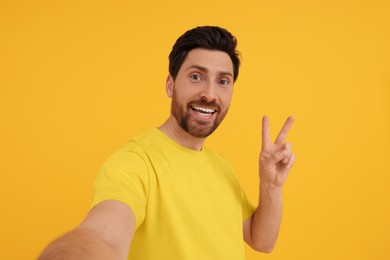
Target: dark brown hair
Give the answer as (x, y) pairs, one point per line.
(207, 37)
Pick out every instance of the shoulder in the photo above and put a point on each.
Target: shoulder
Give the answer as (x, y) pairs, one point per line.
(133, 152)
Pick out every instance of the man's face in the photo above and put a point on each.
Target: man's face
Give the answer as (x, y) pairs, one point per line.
(202, 91)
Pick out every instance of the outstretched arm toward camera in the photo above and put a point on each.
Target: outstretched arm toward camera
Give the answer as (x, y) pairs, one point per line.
(276, 159)
(106, 233)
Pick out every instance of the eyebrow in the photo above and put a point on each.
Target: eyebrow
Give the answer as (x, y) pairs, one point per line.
(204, 69)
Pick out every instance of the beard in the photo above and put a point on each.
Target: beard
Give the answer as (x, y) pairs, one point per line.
(193, 126)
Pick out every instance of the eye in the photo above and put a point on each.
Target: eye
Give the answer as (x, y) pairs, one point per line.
(195, 77)
(224, 82)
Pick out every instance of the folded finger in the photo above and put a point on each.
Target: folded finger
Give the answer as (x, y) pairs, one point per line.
(291, 161)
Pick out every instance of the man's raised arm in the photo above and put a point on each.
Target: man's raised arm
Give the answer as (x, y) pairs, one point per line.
(276, 159)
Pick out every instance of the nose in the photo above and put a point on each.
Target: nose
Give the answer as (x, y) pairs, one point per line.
(208, 93)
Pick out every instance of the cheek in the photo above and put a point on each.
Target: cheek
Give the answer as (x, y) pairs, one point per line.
(186, 95)
(226, 98)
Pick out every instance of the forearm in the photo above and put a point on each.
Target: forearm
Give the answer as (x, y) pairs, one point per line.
(267, 218)
(81, 244)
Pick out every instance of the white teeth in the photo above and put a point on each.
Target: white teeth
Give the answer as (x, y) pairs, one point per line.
(203, 109)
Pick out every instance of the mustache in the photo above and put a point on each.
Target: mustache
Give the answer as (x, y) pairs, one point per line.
(201, 102)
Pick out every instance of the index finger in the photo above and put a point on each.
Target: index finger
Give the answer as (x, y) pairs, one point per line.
(283, 133)
(265, 131)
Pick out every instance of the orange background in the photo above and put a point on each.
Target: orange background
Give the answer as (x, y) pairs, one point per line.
(79, 78)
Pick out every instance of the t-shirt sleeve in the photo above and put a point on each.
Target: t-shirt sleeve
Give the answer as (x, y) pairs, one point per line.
(247, 207)
(124, 177)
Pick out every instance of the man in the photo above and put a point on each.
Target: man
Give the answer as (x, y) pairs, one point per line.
(166, 196)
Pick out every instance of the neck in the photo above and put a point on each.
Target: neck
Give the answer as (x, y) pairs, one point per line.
(172, 129)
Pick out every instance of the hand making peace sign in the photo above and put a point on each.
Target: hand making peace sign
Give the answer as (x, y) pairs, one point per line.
(276, 158)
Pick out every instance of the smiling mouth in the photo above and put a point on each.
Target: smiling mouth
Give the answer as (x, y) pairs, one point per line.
(203, 111)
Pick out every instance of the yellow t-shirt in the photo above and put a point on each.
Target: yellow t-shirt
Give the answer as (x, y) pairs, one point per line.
(187, 204)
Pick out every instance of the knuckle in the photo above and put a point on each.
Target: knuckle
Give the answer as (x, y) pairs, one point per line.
(280, 155)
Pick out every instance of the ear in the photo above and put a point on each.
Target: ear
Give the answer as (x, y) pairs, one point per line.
(169, 86)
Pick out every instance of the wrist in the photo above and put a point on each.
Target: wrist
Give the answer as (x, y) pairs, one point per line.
(269, 191)
(270, 187)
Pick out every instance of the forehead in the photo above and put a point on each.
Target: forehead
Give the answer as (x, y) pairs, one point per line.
(212, 60)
